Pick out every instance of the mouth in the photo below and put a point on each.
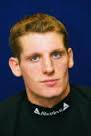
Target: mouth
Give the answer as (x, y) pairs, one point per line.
(50, 83)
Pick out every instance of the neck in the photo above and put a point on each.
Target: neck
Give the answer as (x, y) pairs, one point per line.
(48, 102)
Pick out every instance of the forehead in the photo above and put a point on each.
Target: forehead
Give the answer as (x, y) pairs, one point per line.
(45, 42)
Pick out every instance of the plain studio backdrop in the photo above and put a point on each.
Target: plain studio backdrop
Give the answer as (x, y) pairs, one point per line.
(75, 14)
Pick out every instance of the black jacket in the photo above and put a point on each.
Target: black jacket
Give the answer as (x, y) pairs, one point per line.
(9, 110)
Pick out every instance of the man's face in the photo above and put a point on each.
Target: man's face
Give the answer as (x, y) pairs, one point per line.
(44, 64)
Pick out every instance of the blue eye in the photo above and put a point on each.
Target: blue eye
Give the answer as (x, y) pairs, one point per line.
(35, 58)
(56, 55)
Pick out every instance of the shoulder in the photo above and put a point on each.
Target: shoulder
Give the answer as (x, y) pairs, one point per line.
(9, 110)
(83, 92)
(11, 104)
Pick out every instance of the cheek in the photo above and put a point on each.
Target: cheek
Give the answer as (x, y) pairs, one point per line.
(30, 72)
(35, 68)
(61, 67)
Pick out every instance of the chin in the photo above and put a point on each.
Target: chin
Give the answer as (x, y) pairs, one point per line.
(53, 94)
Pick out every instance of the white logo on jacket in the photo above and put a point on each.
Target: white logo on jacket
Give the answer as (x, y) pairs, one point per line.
(44, 113)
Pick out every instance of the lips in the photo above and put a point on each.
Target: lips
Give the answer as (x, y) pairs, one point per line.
(51, 82)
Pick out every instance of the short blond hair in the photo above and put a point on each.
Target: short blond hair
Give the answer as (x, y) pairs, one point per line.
(39, 23)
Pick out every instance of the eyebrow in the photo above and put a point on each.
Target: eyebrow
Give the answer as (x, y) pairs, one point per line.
(62, 52)
(40, 54)
(58, 50)
(32, 54)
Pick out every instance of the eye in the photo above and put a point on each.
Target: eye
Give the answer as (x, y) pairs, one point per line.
(35, 58)
(56, 55)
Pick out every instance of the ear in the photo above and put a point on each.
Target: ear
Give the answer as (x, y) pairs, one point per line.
(14, 66)
(70, 57)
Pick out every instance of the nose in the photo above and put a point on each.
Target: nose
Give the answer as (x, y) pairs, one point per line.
(48, 67)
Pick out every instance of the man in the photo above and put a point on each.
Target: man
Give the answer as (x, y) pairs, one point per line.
(50, 105)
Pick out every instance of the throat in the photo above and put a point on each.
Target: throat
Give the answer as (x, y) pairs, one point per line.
(47, 102)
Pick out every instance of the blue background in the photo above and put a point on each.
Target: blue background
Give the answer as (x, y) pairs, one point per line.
(75, 14)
